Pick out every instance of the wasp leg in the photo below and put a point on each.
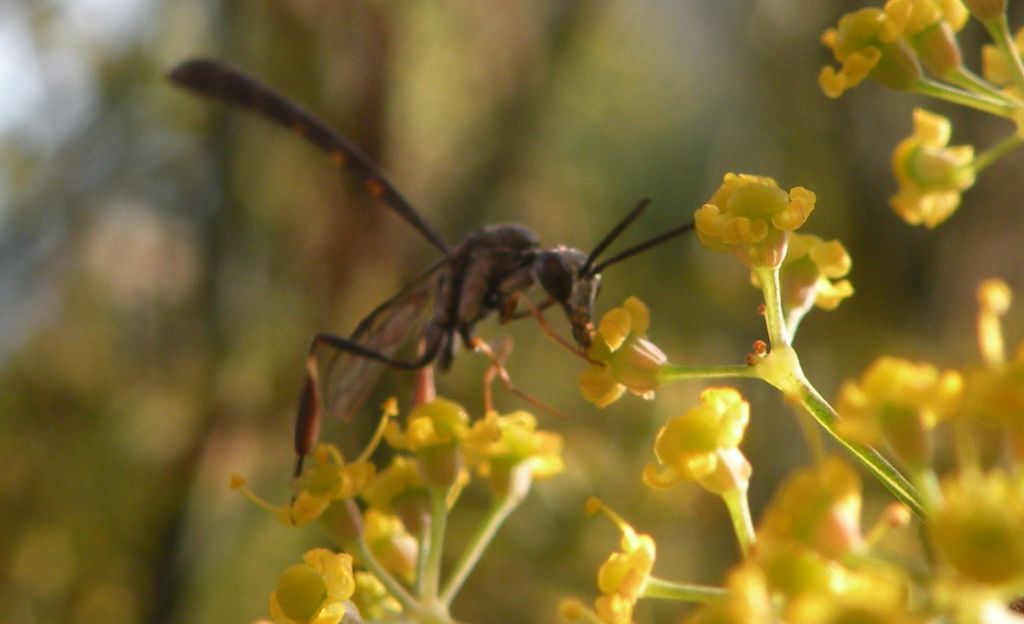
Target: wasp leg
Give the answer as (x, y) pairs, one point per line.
(307, 421)
(537, 312)
(497, 370)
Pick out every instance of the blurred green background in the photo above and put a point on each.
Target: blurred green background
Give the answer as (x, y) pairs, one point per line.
(164, 261)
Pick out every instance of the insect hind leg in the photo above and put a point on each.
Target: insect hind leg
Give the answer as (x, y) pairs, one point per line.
(310, 411)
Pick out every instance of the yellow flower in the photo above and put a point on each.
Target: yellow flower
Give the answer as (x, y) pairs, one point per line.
(511, 452)
(399, 489)
(624, 358)
(752, 217)
(327, 480)
(434, 431)
(313, 592)
(868, 43)
(818, 508)
(911, 17)
(994, 66)
(931, 175)
(995, 394)
(979, 529)
(438, 423)
(899, 402)
(748, 600)
(701, 445)
(391, 544)
(930, 26)
(373, 600)
(807, 274)
(623, 577)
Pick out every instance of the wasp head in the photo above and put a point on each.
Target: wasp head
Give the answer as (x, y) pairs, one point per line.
(562, 273)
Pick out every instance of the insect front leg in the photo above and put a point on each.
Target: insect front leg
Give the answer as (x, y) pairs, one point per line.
(537, 313)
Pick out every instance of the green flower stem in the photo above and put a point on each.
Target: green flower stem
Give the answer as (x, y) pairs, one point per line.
(438, 524)
(675, 372)
(999, 30)
(950, 94)
(739, 510)
(496, 516)
(366, 558)
(422, 545)
(774, 318)
(685, 592)
(997, 151)
(781, 368)
(966, 79)
(877, 465)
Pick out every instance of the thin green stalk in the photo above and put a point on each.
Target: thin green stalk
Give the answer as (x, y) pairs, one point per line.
(997, 151)
(774, 317)
(685, 592)
(999, 30)
(435, 547)
(739, 511)
(877, 465)
(957, 96)
(812, 436)
(675, 372)
(496, 516)
(966, 79)
(366, 558)
(422, 545)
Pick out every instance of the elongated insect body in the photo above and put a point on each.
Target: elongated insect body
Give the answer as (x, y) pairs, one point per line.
(486, 273)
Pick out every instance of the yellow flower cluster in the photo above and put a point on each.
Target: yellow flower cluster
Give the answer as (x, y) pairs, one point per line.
(891, 44)
(386, 538)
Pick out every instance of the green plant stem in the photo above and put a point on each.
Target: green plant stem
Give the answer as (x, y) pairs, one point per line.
(957, 96)
(496, 516)
(997, 151)
(366, 558)
(685, 592)
(675, 372)
(781, 368)
(739, 510)
(999, 30)
(877, 465)
(774, 318)
(966, 79)
(422, 544)
(435, 547)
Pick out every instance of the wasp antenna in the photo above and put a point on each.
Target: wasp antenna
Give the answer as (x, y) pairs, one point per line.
(610, 237)
(644, 246)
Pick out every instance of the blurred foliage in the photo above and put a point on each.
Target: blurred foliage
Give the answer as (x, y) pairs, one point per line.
(163, 263)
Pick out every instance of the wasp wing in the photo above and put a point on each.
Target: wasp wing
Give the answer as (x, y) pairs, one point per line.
(349, 378)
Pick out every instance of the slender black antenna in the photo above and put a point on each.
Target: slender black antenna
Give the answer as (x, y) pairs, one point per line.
(644, 246)
(610, 237)
(216, 80)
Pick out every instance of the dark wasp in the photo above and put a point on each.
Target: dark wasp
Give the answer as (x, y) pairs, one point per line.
(489, 271)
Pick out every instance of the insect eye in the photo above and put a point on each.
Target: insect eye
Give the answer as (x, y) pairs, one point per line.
(556, 277)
